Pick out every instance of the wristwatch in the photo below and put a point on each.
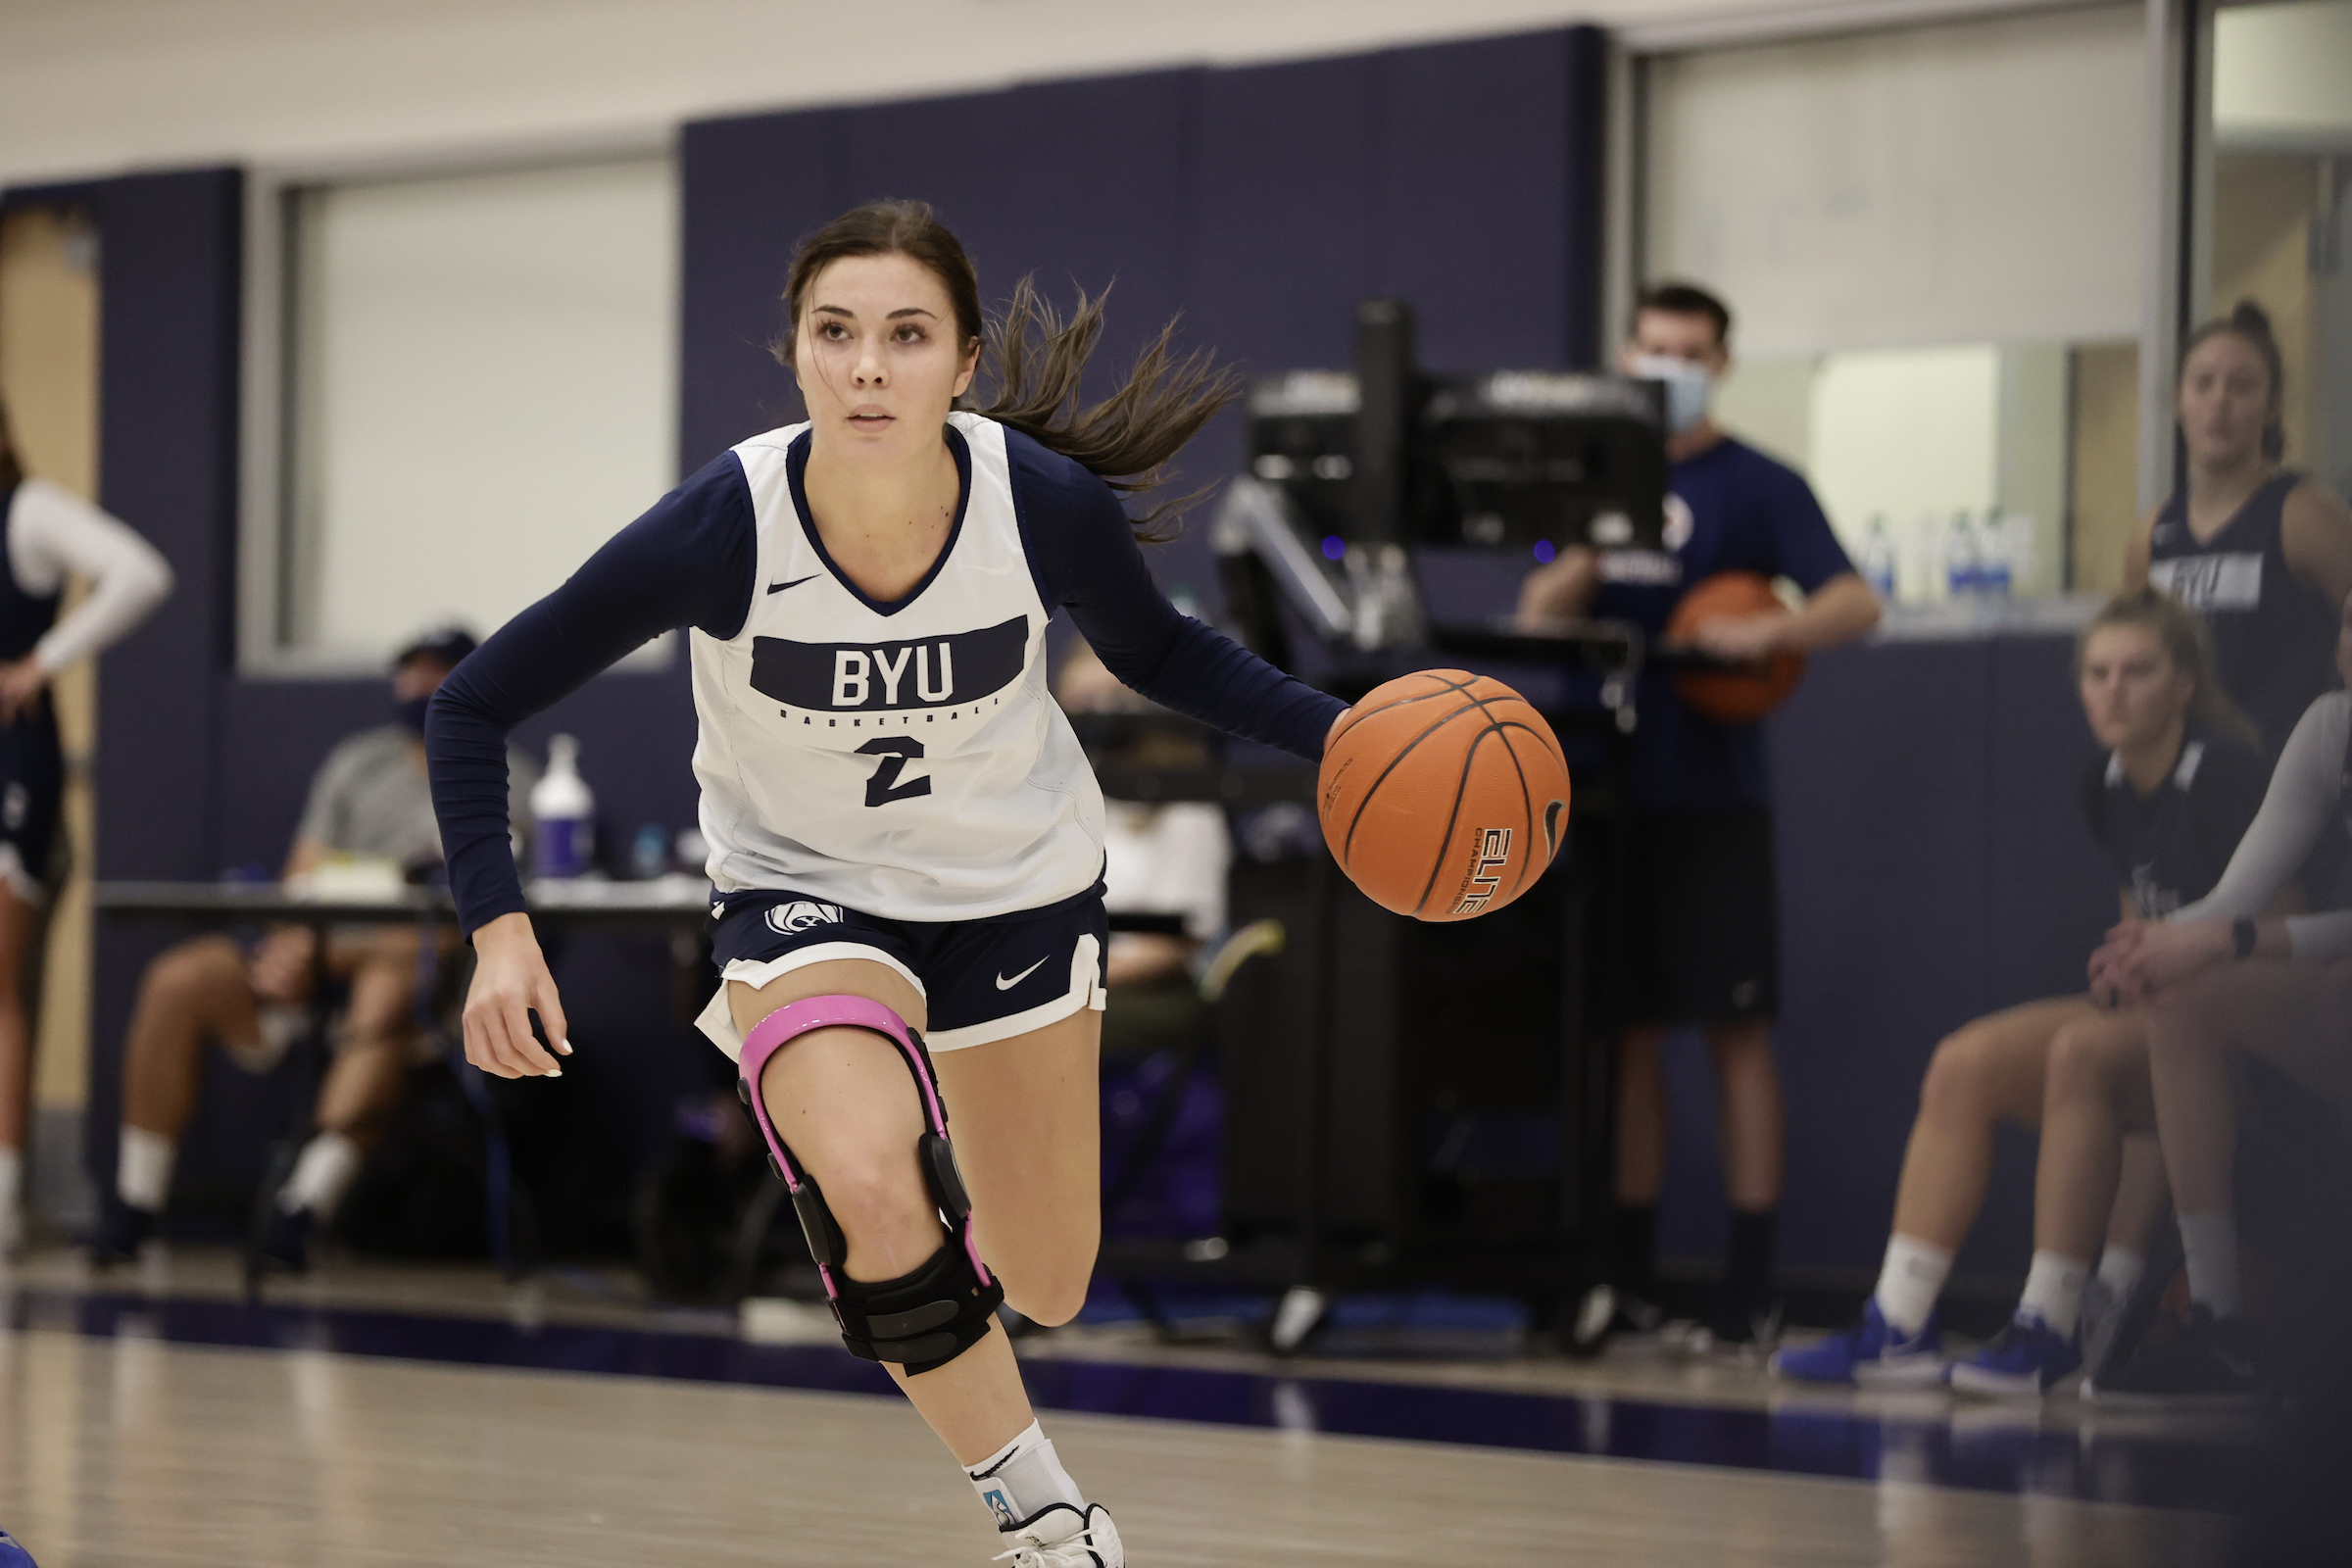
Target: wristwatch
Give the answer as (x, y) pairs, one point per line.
(2242, 936)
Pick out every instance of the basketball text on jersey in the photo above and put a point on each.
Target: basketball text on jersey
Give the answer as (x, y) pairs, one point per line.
(2211, 582)
(1486, 874)
(889, 677)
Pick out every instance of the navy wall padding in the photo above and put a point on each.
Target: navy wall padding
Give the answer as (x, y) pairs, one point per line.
(1933, 867)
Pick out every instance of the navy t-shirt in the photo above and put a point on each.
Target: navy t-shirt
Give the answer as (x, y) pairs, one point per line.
(1729, 509)
(2171, 847)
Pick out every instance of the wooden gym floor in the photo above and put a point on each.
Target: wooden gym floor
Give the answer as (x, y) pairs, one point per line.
(373, 1415)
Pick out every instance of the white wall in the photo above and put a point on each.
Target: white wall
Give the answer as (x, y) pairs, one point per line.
(2283, 72)
(483, 366)
(1978, 182)
(91, 86)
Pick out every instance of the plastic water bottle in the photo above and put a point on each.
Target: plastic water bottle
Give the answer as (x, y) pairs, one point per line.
(1878, 558)
(1962, 558)
(1993, 575)
(562, 814)
(648, 853)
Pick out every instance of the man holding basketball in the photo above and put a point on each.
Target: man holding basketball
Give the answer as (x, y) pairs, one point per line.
(1700, 918)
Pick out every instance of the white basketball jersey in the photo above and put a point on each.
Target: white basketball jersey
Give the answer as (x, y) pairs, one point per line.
(909, 764)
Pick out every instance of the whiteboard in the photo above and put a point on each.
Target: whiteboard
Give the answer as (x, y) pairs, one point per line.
(484, 390)
(1978, 182)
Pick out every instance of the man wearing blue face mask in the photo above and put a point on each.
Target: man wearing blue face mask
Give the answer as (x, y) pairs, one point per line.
(1703, 949)
(369, 800)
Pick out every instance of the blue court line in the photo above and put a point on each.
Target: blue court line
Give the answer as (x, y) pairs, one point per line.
(2177, 1471)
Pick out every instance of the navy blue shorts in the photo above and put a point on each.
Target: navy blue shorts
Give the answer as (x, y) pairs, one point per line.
(981, 980)
(33, 786)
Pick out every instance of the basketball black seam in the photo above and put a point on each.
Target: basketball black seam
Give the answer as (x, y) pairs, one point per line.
(1347, 841)
(1527, 798)
(1460, 787)
(1419, 697)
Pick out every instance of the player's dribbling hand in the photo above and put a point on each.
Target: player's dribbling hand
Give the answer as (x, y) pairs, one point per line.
(509, 981)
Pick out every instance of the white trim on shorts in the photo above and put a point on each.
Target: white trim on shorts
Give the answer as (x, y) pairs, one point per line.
(19, 881)
(1085, 992)
(717, 1021)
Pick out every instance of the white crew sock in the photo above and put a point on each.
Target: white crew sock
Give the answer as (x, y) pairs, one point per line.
(1023, 1478)
(2211, 1243)
(2120, 1269)
(323, 1173)
(11, 1193)
(1909, 1281)
(143, 1168)
(2054, 1292)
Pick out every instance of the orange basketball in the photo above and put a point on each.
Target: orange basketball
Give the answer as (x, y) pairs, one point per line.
(1444, 794)
(1743, 694)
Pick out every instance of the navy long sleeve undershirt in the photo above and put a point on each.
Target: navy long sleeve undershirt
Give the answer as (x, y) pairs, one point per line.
(690, 561)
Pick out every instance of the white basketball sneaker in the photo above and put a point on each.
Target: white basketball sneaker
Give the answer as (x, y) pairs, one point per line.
(1061, 1537)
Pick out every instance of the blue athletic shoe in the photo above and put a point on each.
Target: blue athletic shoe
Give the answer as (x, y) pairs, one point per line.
(1874, 1354)
(2022, 1364)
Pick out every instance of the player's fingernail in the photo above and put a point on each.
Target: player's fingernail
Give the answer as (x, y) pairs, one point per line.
(553, 1072)
(564, 1046)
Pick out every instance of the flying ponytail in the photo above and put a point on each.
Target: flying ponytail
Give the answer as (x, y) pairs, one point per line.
(1033, 361)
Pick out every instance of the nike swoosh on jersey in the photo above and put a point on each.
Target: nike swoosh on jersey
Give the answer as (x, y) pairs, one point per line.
(1004, 984)
(779, 587)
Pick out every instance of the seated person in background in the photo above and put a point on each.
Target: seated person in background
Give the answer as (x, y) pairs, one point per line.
(369, 798)
(2222, 979)
(1167, 858)
(2179, 783)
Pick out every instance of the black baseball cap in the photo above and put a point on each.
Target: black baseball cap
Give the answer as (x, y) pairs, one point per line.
(448, 644)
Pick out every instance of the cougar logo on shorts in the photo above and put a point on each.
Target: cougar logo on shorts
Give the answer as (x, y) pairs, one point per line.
(790, 919)
(14, 805)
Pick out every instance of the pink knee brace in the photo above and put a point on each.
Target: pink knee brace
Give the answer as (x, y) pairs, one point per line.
(930, 1316)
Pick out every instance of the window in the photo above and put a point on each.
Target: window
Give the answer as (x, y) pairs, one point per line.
(2281, 224)
(1930, 240)
(480, 388)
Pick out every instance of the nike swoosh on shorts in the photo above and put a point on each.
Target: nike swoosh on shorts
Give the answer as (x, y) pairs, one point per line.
(779, 587)
(1004, 984)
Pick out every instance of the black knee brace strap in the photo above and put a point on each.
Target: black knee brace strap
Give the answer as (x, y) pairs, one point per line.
(925, 1319)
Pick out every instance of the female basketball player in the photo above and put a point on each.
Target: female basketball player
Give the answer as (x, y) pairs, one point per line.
(2262, 550)
(905, 835)
(51, 533)
(2224, 979)
(2168, 802)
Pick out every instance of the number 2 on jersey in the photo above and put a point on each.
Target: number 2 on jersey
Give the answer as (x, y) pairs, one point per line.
(895, 750)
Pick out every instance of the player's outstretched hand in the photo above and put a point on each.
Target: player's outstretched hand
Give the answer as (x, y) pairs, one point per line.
(510, 982)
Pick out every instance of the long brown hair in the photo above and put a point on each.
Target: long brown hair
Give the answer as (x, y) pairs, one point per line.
(2250, 325)
(1033, 361)
(2181, 633)
(12, 471)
